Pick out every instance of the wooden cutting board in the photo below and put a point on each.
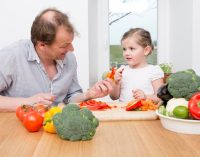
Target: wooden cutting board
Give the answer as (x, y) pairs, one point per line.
(120, 114)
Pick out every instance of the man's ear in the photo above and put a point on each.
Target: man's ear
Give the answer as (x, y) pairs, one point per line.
(41, 45)
(147, 50)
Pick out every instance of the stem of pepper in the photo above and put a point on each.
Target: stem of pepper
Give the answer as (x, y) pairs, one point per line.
(198, 104)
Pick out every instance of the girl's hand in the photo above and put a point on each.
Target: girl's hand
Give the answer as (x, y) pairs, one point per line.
(118, 75)
(138, 94)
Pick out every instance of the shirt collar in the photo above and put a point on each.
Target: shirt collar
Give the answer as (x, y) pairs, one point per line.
(32, 54)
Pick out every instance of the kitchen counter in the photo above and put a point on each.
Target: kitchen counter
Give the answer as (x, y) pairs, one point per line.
(112, 139)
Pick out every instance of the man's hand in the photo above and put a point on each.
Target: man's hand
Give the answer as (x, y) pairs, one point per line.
(138, 94)
(44, 98)
(100, 89)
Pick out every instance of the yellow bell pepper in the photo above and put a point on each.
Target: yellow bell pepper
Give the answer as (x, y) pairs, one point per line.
(48, 122)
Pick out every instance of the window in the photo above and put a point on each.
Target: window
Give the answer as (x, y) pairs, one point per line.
(126, 14)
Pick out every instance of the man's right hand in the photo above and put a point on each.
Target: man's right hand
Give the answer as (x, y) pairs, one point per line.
(44, 98)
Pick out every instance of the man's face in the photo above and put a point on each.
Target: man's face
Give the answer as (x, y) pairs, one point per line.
(62, 44)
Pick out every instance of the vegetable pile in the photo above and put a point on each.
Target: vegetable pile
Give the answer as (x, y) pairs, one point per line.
(181, 87)
(70, 123)
(74, 123)
(31, 116)
(181, 108)
(182, 84)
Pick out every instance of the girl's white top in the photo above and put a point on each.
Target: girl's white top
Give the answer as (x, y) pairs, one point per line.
(140, 78)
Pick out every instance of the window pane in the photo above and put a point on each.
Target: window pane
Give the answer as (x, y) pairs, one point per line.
(126, 14)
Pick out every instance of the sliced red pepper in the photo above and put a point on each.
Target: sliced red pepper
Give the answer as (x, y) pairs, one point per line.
(133, 105)
(194, 106)
(94, 105)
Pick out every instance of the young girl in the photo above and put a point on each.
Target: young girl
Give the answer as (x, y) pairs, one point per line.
(137, 80)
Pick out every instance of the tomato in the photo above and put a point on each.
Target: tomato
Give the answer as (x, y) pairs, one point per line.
(41, 109)
(22, 111)
(33, 121)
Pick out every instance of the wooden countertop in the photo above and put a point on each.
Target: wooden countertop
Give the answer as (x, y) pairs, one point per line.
(112, 139)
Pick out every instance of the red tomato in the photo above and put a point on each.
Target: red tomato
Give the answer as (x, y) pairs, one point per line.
(22, 111)
(33, 121)
(41, 109)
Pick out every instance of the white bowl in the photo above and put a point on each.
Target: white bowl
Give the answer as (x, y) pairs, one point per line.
(185, 126)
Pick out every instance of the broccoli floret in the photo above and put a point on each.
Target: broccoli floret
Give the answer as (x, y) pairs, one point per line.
(75, 124)
(183, 84)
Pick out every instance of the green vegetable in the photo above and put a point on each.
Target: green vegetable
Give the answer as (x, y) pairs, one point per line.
(75, 124)
(183, 84)
(181, 112)
(162, 110)
(166, 67)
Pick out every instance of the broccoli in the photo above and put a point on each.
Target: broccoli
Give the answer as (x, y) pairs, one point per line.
(75, 124)
(183, 84)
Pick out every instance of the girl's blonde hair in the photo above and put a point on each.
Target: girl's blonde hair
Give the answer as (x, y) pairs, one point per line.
(142, 36)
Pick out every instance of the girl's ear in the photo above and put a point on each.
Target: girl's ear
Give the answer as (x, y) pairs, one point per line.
(147, 50)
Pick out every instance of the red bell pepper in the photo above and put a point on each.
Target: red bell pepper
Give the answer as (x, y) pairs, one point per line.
(133, 105)
(194, 106)
(112, 73)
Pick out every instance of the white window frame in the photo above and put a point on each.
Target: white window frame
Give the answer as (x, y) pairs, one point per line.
(98, 39)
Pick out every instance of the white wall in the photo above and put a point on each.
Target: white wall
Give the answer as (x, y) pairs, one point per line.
(179, 33)
(196, 36)
(17, 16)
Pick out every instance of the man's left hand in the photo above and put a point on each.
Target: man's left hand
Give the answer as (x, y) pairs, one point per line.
(100, 89)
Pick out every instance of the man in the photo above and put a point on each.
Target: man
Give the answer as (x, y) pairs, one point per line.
(43, 70)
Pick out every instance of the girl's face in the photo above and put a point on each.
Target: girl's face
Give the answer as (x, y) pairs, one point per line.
(133, 53)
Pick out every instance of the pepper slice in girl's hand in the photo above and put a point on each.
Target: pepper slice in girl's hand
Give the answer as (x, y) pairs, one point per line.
(111, 74)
